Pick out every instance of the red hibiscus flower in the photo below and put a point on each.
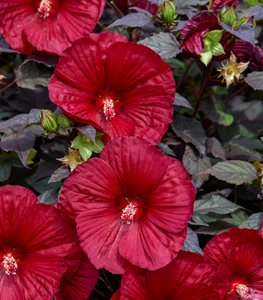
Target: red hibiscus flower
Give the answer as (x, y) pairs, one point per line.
(47, 25)
(193, 32)
(117, 86)
(217, 4)
(78, 285)
(131, 205)
(34, 242)
(182, 279)
(238, 264)
(245, 51)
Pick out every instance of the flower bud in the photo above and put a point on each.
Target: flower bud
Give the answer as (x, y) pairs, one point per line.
(228, 15)
(49, 121)
(167, 11)
(64, 122)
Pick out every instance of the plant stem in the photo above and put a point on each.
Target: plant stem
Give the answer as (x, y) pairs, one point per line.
(182, 79)
(203, 87)
(115, 9)
(8, 86)
(240, 91)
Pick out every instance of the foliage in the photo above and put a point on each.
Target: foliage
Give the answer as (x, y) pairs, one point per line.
(216, 130)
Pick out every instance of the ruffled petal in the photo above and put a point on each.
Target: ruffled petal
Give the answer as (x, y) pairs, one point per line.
(174, 281)
(130, 65)
(93, 182)
(79, 285)
(100, 231)
(70, 21)
(15, 201)
(132, 159)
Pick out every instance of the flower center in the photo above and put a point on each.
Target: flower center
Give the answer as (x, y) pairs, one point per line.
(9, 264)
(46, 8)
(108, 108)
(243, 291)
(128, 213)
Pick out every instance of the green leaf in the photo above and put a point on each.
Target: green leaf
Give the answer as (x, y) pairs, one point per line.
(86, 146)
(190, 131)
(214, 109)
(179, 100)
(206, 57)
(233, 171)
(133, 20)
(59, 174)
(252, 2)
(226, 119)
(255, 80)
(31, 74)
(240, 152)
(191, 243)
(215, 148)
(217, 49)
(5, 170)
(214, 35)
(195, 165)
(216, 204)
(85, 153)
(253, 221)
(33, 117)
(165, 44)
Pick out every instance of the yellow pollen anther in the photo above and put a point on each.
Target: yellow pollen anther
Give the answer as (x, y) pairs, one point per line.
(243, 291)
(44, 8)
(10, 264)
(128, 213)
(108, 108)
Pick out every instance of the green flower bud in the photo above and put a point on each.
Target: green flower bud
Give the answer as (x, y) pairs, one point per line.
(167, 11)
(64, 122)
(49, 121)
(228, 15)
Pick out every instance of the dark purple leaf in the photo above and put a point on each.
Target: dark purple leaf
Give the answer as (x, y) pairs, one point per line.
(89, 132)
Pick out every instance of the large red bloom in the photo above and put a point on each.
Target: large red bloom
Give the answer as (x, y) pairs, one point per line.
(131, 205)
(182, 279)
(78, 285)
(34, 241)
(47, 25)
(238, 264)
(193, 32)
(118, 86)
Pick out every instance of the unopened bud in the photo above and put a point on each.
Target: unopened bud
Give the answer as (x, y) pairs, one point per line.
(228, 15)
(167, 11)
(64, 122)
(49, 121)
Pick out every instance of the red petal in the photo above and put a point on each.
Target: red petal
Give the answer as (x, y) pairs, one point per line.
(130, 66)
(162, 228)
(12, 15)
(217, 4)
(90, 193)
(237, 258)
(39, 238)
(15, 201)
(23, 27)
(174, 281)
(194, 30)
(79, 285)
(107, 63)
(132, 159)
(92, 182)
